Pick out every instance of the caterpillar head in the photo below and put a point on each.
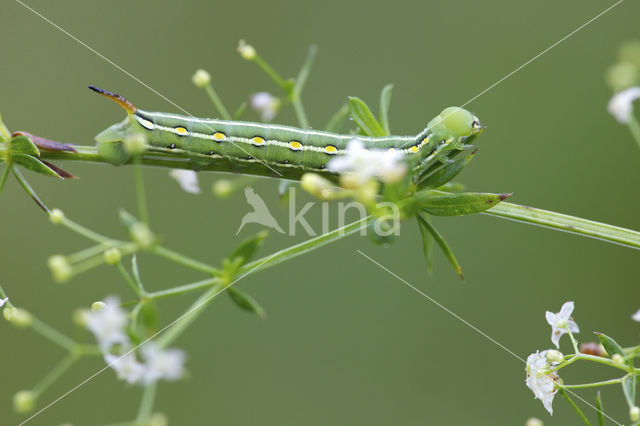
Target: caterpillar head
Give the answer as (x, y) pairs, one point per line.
(455, 122)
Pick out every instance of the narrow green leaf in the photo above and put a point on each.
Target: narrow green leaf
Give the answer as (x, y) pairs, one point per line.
(337, 120)
(241, 109)
(33, 164)
(245, 251)
(629, 389)
(611, 346)
(439, 239)
(127, 219)
(363, 117)
(566, 396)
(445, 174)
(458, 204)
(427, 245)
(385, 101)
(600, 410)
(24, 145)
(246, 302)
(136, 272)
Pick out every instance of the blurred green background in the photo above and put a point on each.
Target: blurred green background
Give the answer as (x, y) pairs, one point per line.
(345, 343)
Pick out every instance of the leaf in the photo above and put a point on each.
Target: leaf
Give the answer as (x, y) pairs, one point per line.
(611, 346)
(246, 302)
(245, 251)
(427, 245)
(599, 411)
(148, 316)
(363, 117)
(46, 144)
(385, 101)
(33, 164)
(458, 204)
(241, 109)
(445, 174)
(439, 239)
(629, 389)
(23, 144)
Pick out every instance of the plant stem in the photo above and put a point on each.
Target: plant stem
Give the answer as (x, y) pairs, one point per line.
(300, 81)
(88, 233)
(575, 407)
(52, 334)
(55, 374)
(25, 185)
(270, 71)
(186, 288)
(217, 102)
(563, 222)
(129, 279)
(184, 260)
(593, 385)
(4, 176)
(146, 404)
(141, 194)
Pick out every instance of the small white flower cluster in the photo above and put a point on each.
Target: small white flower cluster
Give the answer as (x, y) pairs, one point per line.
(541, 382)
(621, 104)
(108, 321)
(364, 164)
(187, 179)
(265, 104)
(3, 301)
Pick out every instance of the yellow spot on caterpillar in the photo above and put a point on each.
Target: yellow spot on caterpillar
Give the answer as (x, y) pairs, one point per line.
(295, 145)
(392, 149)
(413, 149)
(181, 130)
(257, 140)
(330, 149)
(425, 141)
(218, 136)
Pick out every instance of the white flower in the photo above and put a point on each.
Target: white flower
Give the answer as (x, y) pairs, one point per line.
(621, 104)
(3, 301)
(108, 324)
(636, 316)
(542, 384)
(367, 163)
(167, 364)
(188, 180)
(127, 367)
(266, 104)
(561, 323)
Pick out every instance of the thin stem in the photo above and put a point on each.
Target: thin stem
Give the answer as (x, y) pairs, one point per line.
(87, 253)
(186, 288)
(634, 126)
(217, 102)
(25, 185)
(88, 233)
(593, 385)
(575, 407)
(270, 71)
(563, 222)
(184, 260)
(52, 334)
(141, 194)
(573, 341)
(4, 176)
(129, 279)
(55, 374)
(146, 404)
(301, 79)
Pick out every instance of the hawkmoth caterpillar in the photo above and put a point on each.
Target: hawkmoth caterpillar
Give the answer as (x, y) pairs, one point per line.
(258, 148)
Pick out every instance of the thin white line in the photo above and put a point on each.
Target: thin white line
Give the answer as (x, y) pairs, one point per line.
(129, 74)
(180, 318)
(476, 329)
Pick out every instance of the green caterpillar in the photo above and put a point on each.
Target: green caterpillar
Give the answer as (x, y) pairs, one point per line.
(287, 151)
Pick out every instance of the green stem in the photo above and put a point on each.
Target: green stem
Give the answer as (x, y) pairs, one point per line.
(52, 334)
(634, 126)
(270, 72)
(575, 407)
(217, 102)
(184, 260)
(300, 81)
(146, 404)
(87, 253)
(88, 233)
(186, 288)
(5, 175)
(55, 374)
(129, 279)
(563, 222)
(593, 385)
(25, 185)
(573, 341)
(141, 195)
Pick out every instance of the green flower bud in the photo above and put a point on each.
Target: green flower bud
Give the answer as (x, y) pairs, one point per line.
(246, 50)
(135, 143)
(201, 78)
(24, 401)
(18, 317)
(141, 234)
(60, 268)
(317, 186)
(532, 421)
(222, 188)
(618, 359)
(112, 256)
(80, 317)
(96, 306)
(630, 52)
(56, 216)
(634, 413)
(621, 76)
(158, 419)
(554, 356)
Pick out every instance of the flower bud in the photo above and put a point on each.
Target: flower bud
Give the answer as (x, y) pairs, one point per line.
(24, 401)
(368, 192)
(135, 143)
(630, 52)
(56, 216)
(80, 317)
(634, 413)
(554, 356)
(618, 359)
(532, 421)
(59, 267)
(222, 188)
(592, 348)
(141, 234)
(158, 419)
(201, 78)
(112, 256)
(317, 186)
(96, 306)
(246, 50)
(621, 76)
(18, 317)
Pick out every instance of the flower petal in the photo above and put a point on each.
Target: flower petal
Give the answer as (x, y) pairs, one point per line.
(636, 316)
(3, 301)
(566, 310)
(188, 180)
